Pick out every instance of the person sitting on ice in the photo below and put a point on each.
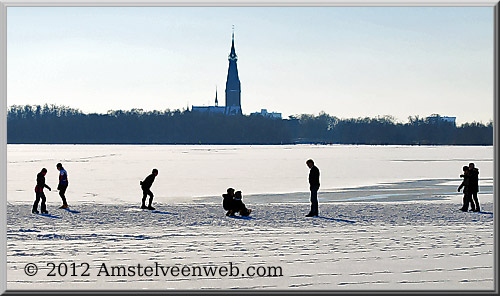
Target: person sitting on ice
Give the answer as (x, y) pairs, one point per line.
(146, 190)
(239, 206)
(228, 202)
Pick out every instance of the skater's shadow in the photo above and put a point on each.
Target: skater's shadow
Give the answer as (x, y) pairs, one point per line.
(49, 216)
(72, 211)
(242, 217)
(486, 213)
(163, 213)
(338, 220)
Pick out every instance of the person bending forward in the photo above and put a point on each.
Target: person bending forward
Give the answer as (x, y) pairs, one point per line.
(146, 190)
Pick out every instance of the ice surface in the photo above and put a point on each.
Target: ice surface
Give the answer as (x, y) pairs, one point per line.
(410, 245)
(111, 173)
(389, 216)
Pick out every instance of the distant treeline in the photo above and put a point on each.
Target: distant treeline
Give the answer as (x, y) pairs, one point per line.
(63, 125)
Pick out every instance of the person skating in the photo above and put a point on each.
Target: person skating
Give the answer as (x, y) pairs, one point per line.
(63, 185)
(314, 187)
(228, 202)
(39, 195)
(467, 195)
(146, 190)
(474, 186)
(239, 206)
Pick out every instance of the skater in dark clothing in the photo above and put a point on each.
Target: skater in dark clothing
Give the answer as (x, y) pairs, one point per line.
(467, 195)
(146, 185)
(239, 206)
(63, 184)
(39, 195)
(228, 202)
(314, 187)
(474, 186)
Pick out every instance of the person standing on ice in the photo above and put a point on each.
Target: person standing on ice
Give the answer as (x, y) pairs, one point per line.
(63, 185)
(474, 186)
(39, 195)
(314, 187)
(146, 185)
(467, 195)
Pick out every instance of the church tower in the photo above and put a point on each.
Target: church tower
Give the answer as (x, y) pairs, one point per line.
(216, 101)
(233, 88)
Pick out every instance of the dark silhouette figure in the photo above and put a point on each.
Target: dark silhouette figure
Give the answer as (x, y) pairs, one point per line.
(474, 185)
(467, 195)
(239, 206)
(314, 187)
(146, 190)
(228, 202)
(39, 195)
(63, 184)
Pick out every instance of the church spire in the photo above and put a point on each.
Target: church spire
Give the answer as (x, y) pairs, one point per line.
(233, 86)
(216, 101)
(232, 55)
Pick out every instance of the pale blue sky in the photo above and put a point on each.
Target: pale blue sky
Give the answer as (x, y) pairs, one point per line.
(346, 61)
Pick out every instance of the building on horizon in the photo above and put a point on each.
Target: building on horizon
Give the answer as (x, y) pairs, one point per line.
(264, 113)
(216, 109)
(233, 85)
(436, 118)
(233, 90)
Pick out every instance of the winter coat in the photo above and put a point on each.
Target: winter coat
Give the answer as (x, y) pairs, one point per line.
(314, 177)
(227, 202)
(148, 182)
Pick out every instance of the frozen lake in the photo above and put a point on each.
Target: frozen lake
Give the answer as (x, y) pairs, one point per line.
(111, 173)
(414, 238)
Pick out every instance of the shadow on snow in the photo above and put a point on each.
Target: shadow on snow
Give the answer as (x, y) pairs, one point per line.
(338, 220)
(72, 211)
(164, 213)
(49, 216)
(242, 217)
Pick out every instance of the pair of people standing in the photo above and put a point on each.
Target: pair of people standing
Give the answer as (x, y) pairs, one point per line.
(40, 185)
(470, 184)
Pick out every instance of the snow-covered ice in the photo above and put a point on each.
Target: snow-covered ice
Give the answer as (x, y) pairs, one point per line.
(389, 217)
(409, 245)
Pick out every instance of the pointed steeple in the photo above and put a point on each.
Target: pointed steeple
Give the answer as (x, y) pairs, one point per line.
(232, 55)
(216, 101)
(233, 86)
